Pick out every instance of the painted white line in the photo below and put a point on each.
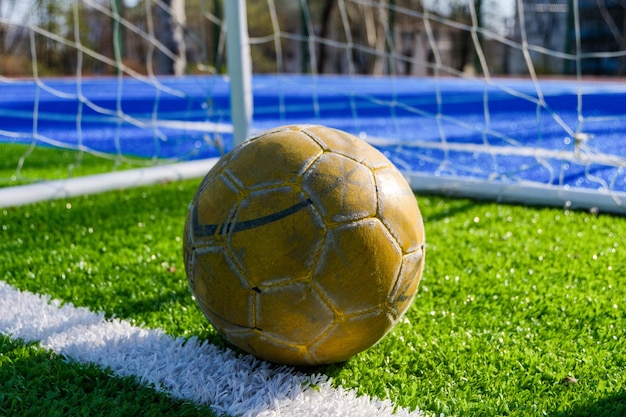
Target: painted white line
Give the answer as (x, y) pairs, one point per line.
(238, 385)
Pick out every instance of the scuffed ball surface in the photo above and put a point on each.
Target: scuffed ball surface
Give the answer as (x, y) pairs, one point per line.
(304, 245)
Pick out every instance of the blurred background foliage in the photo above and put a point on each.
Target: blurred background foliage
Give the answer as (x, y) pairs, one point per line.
(400, 37)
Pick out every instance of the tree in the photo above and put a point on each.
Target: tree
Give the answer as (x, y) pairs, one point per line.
(618, 33)
(170, 29)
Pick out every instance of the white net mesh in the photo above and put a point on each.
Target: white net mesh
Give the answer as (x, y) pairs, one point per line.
(94, 77)
(479, 97)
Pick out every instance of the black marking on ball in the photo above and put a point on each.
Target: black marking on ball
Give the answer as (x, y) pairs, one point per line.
(256, 290)
(204, 230)
(403, 296)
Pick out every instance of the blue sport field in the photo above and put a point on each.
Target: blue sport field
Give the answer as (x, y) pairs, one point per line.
(519, 311)
(554, 132)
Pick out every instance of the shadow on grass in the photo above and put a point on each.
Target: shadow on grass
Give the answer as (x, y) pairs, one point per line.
(36, 382)
(149, 304)
(460, 206)
(610, 406)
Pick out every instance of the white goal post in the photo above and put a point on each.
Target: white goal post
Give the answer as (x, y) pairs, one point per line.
(515, 100)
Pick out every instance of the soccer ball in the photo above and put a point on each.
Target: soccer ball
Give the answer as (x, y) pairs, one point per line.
(304, 245)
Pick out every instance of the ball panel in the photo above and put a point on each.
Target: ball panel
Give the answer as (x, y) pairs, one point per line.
(219, 289)
(273, 350)
(398, 210)
(292, 313)
(283, 248)
(215, 171)
(406, 286)
(350, 336)
(210, 216)
(227, 329)
(348, 145)
(273, 159)
(358, 267)
(340, 188)
(188, 251)
(278, 129)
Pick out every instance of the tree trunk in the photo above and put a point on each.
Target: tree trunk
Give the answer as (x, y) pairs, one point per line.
(170, 25)
(326, 23)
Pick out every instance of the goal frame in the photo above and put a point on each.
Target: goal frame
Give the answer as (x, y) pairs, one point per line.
(239, 67)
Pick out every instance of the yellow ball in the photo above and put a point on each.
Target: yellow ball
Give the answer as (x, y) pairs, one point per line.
(304, 245)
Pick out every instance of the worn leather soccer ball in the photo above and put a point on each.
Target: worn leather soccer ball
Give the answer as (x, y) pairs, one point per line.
(304, 245)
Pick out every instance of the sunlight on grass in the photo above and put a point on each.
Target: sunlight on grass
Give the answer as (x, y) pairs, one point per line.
(520, 311)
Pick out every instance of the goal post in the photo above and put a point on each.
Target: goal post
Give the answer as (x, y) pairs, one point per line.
(239, 68)
(515, 100)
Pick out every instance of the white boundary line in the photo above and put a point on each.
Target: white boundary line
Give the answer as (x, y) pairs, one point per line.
(238, 385)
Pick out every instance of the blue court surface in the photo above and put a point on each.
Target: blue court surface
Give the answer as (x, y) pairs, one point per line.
(557, 132)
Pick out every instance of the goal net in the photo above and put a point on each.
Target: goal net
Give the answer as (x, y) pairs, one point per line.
(516, 100)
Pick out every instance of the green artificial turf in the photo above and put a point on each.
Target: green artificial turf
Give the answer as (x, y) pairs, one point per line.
(520, 311)
(38, 383)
